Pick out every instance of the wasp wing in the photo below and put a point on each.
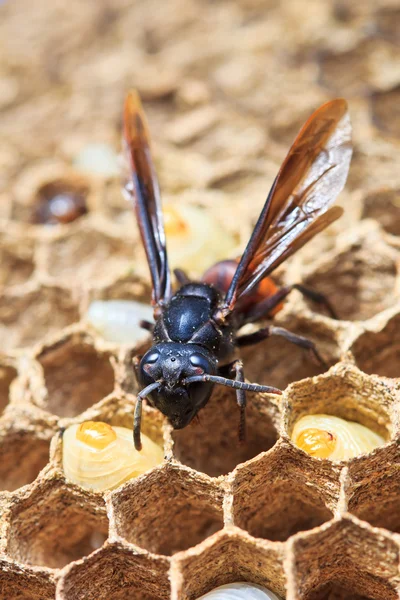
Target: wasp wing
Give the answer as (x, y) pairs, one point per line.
(311, 177)
(144, 192)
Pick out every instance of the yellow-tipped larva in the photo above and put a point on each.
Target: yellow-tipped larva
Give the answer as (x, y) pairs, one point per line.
(118, 320)
(326, 436)
(240, 591)
(195, 240)
(100, 457)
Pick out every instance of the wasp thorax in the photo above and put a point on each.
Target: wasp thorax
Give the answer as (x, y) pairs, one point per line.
(326, 436)
(96, 434)
(99, 457)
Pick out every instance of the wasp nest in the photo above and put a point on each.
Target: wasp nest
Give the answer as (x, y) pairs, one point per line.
(226, 87)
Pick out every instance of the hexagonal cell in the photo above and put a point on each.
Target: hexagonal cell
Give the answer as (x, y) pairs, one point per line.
(52, 525)
(16, 259)
(211, 443)
(383, 205)
(344, 590)
(168, 510)
(379, 351)
(47, 192)
(359, 278)
(89, 255)
(272, 497)
(19, 582)
(387, 21)
(333, 76)
(344, 392)
(373, 488)
(277, 362)
(116, 573)
(230, 555)
(126, 287)
(61, 200)
(23, 454)
(384, 108)
(76, 376)
(27, 318)
(117, 410)
(347, 559)
(7, 375)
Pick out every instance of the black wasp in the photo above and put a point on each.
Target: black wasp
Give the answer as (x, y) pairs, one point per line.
(197, 329)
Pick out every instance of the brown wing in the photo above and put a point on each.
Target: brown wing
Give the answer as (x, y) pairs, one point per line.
(311, 177)
(144, 192)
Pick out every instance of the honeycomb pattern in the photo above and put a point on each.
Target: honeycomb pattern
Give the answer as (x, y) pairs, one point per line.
(226, 85)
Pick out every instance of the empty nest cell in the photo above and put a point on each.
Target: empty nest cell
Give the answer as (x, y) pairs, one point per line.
(23, 454)
(53, 525)
(27, 318)
(373, 489)
(22, 583)
(345, 559)
(87, 255)
(210, 444)
(272, 498)
(76, 376)
(379, 351)
(278, 362)
(115, 572)
(16, 260)
(169, 510)
(334, 77)
(359, 280)
(7, 376)
(384, 109)
(342, 590)
(229, 556)
(387, 21)
(383, 205)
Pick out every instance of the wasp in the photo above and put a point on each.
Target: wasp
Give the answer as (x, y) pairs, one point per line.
(196, 335)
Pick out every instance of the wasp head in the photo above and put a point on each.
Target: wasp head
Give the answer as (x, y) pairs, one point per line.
(170, 364)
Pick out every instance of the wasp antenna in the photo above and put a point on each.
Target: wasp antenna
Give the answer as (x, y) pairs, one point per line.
(237, 385)
(137, 419)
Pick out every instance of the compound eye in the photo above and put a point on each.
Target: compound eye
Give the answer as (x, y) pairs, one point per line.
(200, 362)
(152, 358)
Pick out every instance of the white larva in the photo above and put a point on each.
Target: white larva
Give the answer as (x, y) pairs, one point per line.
(98, 159)
(240, 591)
(99, 457)
(326, 436)
(117, 321)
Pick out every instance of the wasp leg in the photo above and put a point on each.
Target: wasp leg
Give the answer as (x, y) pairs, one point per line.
(147, 325)
(265, 307)
(181, 277)
(316, 297)
(237, 369)
(137, 424)
(266, 332)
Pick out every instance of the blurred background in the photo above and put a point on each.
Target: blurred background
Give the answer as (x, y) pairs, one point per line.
(225, 84)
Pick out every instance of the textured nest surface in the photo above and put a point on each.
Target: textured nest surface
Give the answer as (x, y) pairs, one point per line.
(226, 85)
